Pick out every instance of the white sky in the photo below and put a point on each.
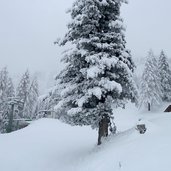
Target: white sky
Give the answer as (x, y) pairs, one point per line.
(28, 29)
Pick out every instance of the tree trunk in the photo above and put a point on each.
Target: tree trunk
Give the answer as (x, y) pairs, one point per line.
(149, 107)
(103, 128)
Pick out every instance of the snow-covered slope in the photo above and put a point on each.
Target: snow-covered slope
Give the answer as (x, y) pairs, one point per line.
(49, 145)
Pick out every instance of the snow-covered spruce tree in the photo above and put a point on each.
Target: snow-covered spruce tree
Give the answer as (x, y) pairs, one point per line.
(10, 88)
(6, 94)
(98, 68)
(3, 99)
(150, 90)
(3, 83)
(9, 114)
(31, 101)
(165, 77)
(23, 90)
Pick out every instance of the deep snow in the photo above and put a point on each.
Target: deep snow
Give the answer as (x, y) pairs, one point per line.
(49, 145)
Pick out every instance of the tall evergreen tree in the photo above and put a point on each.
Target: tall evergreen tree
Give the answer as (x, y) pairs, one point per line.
(150, 91)
(10, 88)
(98, 68)
(4, 79)
(6, 93)
(23, 87)
(23, 90)
(31, 102)
(165, 77)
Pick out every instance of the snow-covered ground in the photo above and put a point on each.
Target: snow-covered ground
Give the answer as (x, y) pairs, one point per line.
(49, 145)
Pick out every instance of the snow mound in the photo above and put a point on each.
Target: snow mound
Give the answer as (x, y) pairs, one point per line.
(49, 145)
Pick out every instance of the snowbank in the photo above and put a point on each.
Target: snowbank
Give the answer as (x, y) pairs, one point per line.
(48, 145)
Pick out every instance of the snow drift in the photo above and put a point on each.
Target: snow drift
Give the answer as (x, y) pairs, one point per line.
(49, 145)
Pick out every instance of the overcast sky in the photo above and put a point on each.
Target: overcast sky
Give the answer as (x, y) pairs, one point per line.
(28, 29)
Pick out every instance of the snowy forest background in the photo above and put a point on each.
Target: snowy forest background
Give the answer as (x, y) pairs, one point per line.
(152, 78)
